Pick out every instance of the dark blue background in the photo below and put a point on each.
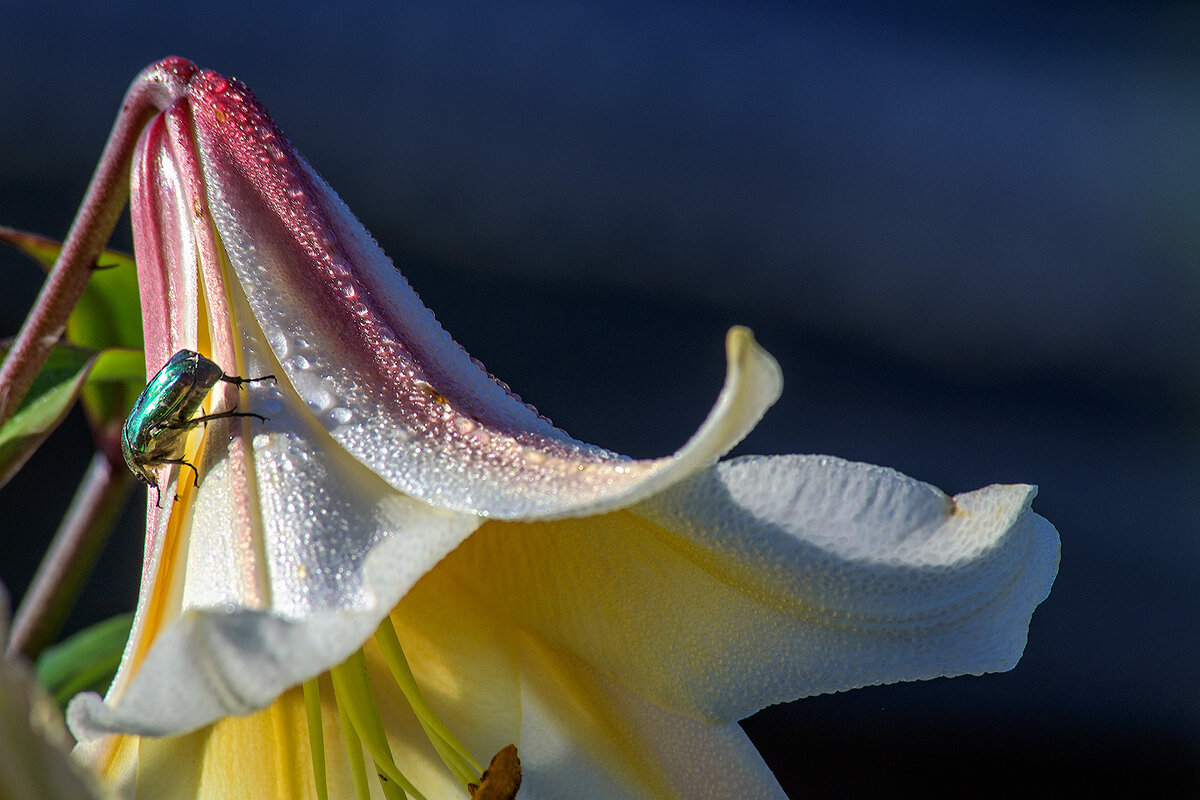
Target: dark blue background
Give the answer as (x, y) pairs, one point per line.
(970, 238)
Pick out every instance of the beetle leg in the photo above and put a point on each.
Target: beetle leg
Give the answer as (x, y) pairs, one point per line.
(184, 463)
(239, 382)
(187, 424)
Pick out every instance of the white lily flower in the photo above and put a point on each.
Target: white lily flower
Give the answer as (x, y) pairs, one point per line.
(611, 618)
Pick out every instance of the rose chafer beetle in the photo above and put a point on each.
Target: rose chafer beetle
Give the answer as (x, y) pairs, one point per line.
(156, 427)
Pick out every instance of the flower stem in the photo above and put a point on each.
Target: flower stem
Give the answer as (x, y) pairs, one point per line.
(84, 531)
(151, 92)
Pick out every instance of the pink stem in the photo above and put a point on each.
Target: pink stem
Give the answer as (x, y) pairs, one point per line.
(150, 93)
(94, 513)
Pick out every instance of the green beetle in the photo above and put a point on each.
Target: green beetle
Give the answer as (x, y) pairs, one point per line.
(156, 427)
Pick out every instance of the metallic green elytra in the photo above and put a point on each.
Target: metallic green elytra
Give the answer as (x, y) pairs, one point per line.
(157, 426)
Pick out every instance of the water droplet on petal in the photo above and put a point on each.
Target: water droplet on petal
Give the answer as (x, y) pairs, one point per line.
(279, 344)
(319, 400)
(535, 456)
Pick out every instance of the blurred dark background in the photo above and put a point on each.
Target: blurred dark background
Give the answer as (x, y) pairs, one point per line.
(969, 236)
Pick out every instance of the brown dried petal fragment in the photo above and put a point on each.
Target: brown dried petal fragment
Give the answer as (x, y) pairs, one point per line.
(502, 778)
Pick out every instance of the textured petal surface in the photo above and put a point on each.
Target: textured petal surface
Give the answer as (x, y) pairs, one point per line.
(253, 597)
(379, 372)
(330, 550)
(292, 551)
(247, 574)
(585, 735)
(766, 579)
(580, 733)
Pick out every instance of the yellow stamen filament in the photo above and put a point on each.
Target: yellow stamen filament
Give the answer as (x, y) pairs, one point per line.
(352, 686)
(354, 753)
(454, 755)
(362, 729)
(316, 736)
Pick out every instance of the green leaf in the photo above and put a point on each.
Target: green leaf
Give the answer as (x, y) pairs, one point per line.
(109, 313)
(118, 365)
(86, 661)
(44, 250)
(49, 399)
(107, 316)
(106, 403)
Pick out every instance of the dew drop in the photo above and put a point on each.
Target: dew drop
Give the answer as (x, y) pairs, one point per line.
(319, 400)
(341, 415)
(279, 344)
(464, 425)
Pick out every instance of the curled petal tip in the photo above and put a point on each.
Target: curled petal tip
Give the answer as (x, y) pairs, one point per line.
(170, 74)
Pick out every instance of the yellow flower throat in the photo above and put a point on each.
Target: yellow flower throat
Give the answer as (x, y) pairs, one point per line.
(362, 729)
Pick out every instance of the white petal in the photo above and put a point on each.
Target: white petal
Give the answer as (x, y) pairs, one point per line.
(381, 375)
(869, 576)
(584, 734)
(579, 733)
(277, 589)
(766, 579)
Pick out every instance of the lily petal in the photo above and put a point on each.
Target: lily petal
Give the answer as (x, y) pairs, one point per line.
(580, 731)
(761, 580)
(380, 374)
(372, 396)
